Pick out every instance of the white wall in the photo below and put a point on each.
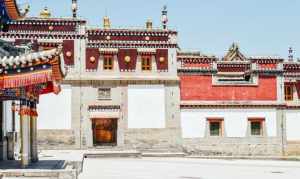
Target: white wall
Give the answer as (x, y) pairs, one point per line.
(192, 124)
(146, 106)
(292, 125)
(55, 110)
(193, 121)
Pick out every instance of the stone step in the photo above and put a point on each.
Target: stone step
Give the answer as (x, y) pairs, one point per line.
(112, 154)
(164, 154)
(162, 150)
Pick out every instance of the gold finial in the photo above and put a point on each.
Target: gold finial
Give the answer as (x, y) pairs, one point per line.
(45, 13)
(106, 22)
(234, 47)
(149, 24)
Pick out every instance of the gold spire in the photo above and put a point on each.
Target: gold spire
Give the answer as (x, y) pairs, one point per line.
(149, 24)
(106, 22)
(45, 13)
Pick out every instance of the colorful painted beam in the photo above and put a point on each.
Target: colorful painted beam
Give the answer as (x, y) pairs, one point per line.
(9, 11)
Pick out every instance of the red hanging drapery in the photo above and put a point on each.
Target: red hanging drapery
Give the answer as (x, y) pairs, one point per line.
(14, 81)
(162, 59)
(127, 65)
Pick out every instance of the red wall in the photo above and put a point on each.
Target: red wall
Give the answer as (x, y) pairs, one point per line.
(200, 88)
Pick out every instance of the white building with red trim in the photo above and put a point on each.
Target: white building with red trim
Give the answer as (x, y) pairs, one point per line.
(134, 88)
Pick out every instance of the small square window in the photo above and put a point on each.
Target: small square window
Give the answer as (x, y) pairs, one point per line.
(104, 93)
(146, 63)
(215, 127)
(108, 63)
(256, 127)
(288, 92)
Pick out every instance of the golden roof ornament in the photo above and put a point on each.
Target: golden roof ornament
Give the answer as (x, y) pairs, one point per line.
(149, 24)
(234, 47)
(127, 59)
(45, 13)
(106, 22)
(234, 54)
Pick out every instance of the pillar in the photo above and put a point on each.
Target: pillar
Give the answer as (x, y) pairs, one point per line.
(33, 132)
(1, 132)
(11, 136)
(25, 134)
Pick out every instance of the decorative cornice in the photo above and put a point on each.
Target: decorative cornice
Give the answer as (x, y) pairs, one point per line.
(130, 44)
(268, 71)
(41, 36)
(196, 60)
(48, 21)
(224, 106)
(266, 59)
(103, 108)
(131, 32)
(196, 70)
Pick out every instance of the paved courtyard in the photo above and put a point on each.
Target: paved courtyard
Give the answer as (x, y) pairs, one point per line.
(184, 168)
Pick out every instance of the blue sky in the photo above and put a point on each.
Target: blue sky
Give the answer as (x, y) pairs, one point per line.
(260, 27)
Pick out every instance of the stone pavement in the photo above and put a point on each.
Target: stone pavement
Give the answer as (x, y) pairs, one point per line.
(132, 164)
(188, 168)
(52, 165)
(41, 165)
(77, 155)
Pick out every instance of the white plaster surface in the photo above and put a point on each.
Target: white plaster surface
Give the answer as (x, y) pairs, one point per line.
(236, 120)
(292, 125)
(192, 125)
(55, 110)
(146, 106)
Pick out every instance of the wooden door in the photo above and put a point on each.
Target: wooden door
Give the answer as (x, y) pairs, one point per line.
(105, 131)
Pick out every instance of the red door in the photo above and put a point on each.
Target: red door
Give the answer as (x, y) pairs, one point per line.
(105, 131)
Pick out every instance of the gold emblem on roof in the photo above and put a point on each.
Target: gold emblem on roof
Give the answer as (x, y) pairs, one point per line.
(45, 13)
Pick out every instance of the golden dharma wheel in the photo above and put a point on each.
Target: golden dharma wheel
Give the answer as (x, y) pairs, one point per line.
(127, 59)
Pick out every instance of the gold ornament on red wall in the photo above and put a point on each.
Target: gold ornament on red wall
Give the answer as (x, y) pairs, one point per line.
(92, 59)
(69, 54)
(161, 59)
(127, 59)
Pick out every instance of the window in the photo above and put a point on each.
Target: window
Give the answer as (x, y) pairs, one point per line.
(256, 127)
(104, 93)
(288, 92)
(146, 63)
(215, 127)
(108, 63)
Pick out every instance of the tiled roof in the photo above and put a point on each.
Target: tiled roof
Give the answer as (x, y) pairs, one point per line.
(7, 61)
